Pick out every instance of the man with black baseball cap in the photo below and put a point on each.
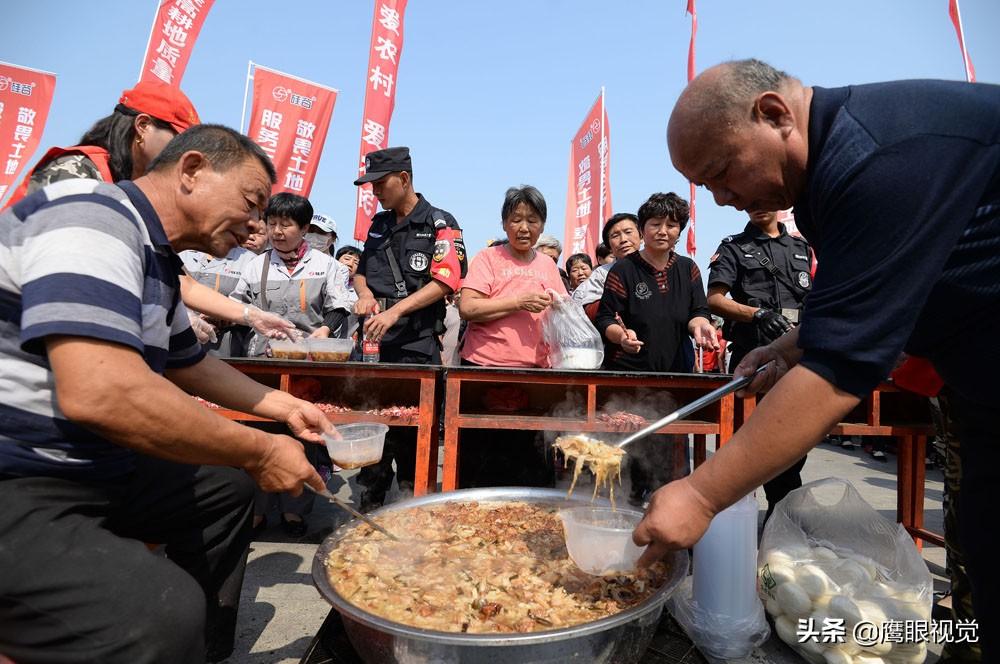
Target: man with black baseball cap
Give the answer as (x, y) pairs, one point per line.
(413, 257)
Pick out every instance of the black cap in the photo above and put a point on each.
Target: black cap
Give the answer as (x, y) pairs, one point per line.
(380, 163)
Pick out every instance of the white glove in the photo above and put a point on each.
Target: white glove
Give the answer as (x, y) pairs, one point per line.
(203, 330)
(269, 325)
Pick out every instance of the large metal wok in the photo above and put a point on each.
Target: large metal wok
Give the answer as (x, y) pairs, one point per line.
(621, 638)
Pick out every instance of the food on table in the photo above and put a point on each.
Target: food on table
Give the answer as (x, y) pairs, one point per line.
(329, 356)
(284, 349)
(603, 460)
(622, 421)
(396, 411)
(479, 567)
(332, 407)
(289, 354)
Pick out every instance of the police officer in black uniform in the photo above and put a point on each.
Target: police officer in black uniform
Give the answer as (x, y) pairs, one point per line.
(767, 273)
(412, 259)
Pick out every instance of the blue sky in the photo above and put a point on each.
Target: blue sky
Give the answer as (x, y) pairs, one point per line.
(490, 94)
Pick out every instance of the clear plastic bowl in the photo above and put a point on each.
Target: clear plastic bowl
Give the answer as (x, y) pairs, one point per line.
(361, 444)
(330, 350)
(284, 349)
(599, 539)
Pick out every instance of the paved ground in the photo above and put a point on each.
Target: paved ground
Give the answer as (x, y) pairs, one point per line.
(281, 610)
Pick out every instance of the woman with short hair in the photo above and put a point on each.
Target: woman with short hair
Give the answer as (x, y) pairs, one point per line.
(653, 299)
(304, 285)
(579, 267)
(504, 294)
(309, 288)
(503, 298)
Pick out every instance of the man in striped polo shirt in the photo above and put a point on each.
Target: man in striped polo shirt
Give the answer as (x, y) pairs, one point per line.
(101, 446)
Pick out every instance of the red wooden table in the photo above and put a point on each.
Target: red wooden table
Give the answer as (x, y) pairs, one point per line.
(890, 411)
(569, 402)
(363, 386)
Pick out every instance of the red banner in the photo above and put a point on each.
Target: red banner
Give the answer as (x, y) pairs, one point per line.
(956, 19)
(289, 120)
(171, 40)
(692, 246)
(380, 98)
(25, 98)
(588, 199)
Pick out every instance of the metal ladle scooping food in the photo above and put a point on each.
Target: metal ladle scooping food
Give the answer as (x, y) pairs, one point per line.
(696, 405)
(340, 503)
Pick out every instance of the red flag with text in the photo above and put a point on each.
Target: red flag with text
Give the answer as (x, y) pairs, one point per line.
(380, 98)
(956, 19)
(692, 246)
(589, 192)
(171, 40)
(289, 120)
(25, 98)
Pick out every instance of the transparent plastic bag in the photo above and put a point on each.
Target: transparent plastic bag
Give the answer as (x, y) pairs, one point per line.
(572, 339)
(839, 579)
(721, 614)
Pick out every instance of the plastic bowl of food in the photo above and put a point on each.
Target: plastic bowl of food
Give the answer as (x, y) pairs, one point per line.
(286, 349)
(599, 539)
(330, 350)
(360, 444)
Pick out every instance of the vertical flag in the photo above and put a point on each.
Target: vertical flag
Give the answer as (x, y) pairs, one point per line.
(25, 98)
(380, 98)
(692, 246)
(588, 200)
(956, 19)
(289, 120)
(171, 39)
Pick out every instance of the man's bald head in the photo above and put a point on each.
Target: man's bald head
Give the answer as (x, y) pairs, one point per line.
(724, 95)
(740, 129)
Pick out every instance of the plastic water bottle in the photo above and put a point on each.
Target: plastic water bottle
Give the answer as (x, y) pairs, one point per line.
(369, 349)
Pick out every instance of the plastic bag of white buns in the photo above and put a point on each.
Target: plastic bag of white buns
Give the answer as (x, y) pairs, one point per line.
(840, 581)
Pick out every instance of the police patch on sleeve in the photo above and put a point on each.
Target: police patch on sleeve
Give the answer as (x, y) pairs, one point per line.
(441, 249)
(804, 279)
(418, 261)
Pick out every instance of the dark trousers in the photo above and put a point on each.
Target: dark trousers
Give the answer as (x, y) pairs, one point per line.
(961, 588)
(78, 584)
(978, 427)
(400, 442)
(790, 478)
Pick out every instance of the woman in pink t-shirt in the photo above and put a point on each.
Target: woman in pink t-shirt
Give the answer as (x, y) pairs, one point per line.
(503, 296)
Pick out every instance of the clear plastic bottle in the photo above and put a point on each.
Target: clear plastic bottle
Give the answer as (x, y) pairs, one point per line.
(369, 349)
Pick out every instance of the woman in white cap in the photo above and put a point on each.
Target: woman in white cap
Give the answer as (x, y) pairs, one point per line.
(322, 233)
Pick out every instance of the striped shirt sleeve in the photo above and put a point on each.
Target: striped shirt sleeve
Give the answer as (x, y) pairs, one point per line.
(82, 273)
(184, 350)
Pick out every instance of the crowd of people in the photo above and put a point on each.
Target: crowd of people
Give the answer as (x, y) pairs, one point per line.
(152, 247)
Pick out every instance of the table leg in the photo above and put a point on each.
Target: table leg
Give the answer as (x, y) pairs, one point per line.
(700, 449)
(449, 476)
(425, 478)
(904, 482)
